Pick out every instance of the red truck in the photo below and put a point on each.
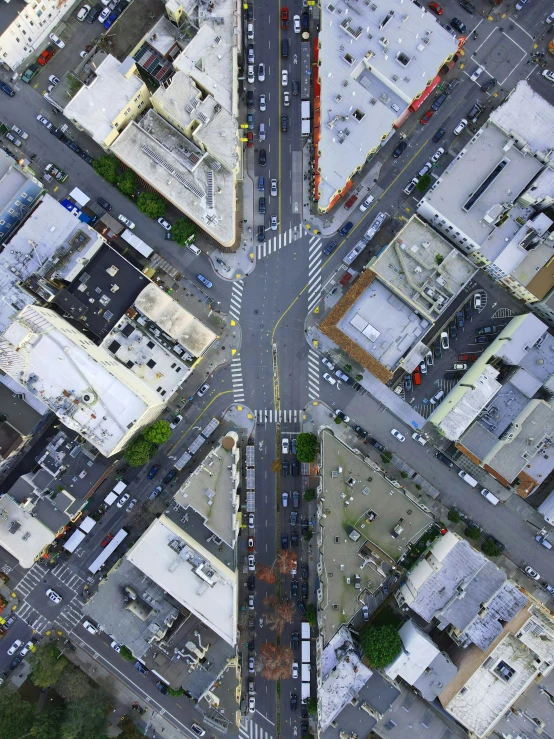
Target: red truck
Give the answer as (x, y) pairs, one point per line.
(284, 18)
(350, 202)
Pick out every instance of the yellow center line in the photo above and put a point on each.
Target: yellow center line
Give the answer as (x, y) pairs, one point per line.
(223, 392)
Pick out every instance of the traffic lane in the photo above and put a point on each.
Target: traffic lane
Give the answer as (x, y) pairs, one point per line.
(19, 630)
(502, 521)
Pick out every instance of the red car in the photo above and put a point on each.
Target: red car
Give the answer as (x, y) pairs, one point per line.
(427, 117)
(284, 18)
(46, 55)
(250, 139)
(467, 357)
(107, 540)
(436, 8)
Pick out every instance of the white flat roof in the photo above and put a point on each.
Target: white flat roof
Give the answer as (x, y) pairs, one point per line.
(21, 534)
(375, 58)
(527, 115)
(185, 570)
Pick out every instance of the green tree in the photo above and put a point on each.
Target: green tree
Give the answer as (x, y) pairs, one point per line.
(16, 715)
(127, 182)
(309, 495)
(47, 664)
(472, 532)
(139, 452)
(87, 719)
(126, 653)
(48, 723)
(311, 614)
(151, 204)
(489, 548)
(381, 644)
(306, 447)
(454, 515)
(128, 728)
(311, 706)
(157, 433)
(73, 684)
(439, 259)
(182, 230)
(107, 167)
(424, 183)
(386, 458)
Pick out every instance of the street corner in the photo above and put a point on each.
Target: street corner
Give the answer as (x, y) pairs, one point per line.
(241, 415)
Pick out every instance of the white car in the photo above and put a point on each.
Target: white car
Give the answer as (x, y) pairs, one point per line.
(533, 574)
(550, 19)
(131, 505)
(251, 664)
(296, 22)
(273, 188)
(520, 4)
(176, 421)
(250, 602)
(419, 438)
(284, 77)
(124, 498)
(445, 342)
(295, 670)
(285, 499)
(331, 380)
(251, 563)
(262, 103)
(547, 74)
(15, 646)
(44, 121)
(54, 596)
(367, 202)
(59, 43)
(460, 127)
(476, 74)
(83, 12)
(284, 445)
(203, 390)
(286, 98)
(116, 646)
(83, 54)
(261, 72)
(126, 221)
(427, 167)
(250, 32)
(53, 79)
(104, 14)
(410, 187)
(26, 649)
(477, 302)
(15, 141)
(165, 224)
(437, 155)
(398, 435)
(274, 223)
(91, 628)
(250, 520)
(251, 75)
(294, 567)
(327, 363)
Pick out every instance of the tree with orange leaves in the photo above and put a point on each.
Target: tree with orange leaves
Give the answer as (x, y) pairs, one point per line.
(285, 561)
(279, 614)
(266, 573)
(276, 661)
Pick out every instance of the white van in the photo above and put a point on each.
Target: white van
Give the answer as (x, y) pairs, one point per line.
(489, 496)
(419, 438)
(91, 628)
(436, 397)
(467, 478)
(194, 249)
(541, 540)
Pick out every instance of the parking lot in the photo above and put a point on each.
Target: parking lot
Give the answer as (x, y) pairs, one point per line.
(476, 310)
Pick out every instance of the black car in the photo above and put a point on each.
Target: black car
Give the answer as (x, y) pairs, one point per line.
(294, 589)
(399, 149)
(444, 459)
(284, 123)
(305, 572)
(294, 468)
(284, 49)
(452, 330)
(293, 702)
(379, 447)
(438, 102)
(7, 89)
(303, 710)
(408, 384)
(15, 662)
(141, 668)
(496, 543)
(305, 20)
(251, 582)
(437, 351)
(249, 99)
(295, 87)
(261, 233)
(488, 84)
(286, 468)
(293, 518)
(301, 607)
(304, 727)
(488, 330)
(284, 541)
(263, 158)
(346, 228)
(293, 445)
(261, 205)
(304, 589)
(468, 311)
(103, 203)
(295, 640)
(169, 477)
(460, 319)
(294, 539)
(162, 688)
(438, 136)
(483, 339)
(361, 432)
(330, 248)
(250, 12)
(468, 7)
(73, 146)
(94, 13)
(458, 25)
(341, 415)
(56, 132)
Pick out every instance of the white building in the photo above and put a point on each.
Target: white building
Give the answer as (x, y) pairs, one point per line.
(29, 29)
(89, 390)
(377, 61)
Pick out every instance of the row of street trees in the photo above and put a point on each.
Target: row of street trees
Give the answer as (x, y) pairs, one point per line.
(144, 446)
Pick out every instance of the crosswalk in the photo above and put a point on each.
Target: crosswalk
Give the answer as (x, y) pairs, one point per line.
(236, 378)
(70, 615)
(278, 242)
(236, 299)
(272, 416)
(253, 731)
(314, 272)
(313, 374)
(31, 579)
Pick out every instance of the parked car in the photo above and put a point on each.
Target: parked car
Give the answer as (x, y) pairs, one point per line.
(124, 498)
(285, 498)
(153, 471)
(59, 43)
(175, 422)
(107, 540)
(169, 477)
(458, 25)
(346, 228)
(46, 55)
(444, 459)
(460, 127)
(437, 155)
(427, 117)
(489, 330)
(295, 640)
(204, 281)
(488, 84)
(439, 134)
(342, 415)
(436, 8)
(164, 224)
(399, 149)
(445, 343)
(398, 435)
(131, 505)
(284, 78)
(126, 221)
(83, 12)
(467, 357)
(460, 319)
(327, 377)
(533, 574)
(330, 248)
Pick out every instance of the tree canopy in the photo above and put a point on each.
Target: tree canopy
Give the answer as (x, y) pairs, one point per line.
(151, 204)
(107, 167)
(127, 182)
(309, 495)
(138, 452)
(157, 433)
(306, 447)
(275, 661)
(182, 230)
(381, 644)
(48, 723)
(47, 664)
(489, 548)
(16, 715)
(311, 614)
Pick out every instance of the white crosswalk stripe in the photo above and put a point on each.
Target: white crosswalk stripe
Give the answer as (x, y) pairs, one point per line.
(314, 273)
(275, 243)
(272, 416)
(253, 731)
(236, 378)
(32, 617)
(236, 299)
(69, 578)
(31, 579)
(313, 374)
(70, 615)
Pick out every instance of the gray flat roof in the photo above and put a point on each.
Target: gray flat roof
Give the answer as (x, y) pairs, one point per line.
(18, 413)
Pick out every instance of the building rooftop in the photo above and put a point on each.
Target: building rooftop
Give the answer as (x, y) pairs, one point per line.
(174, 320)
(161, 155)
(343, 674)
(422, 269)
(189, 574)
(22, 534)
(164, 35)
(527, 117)
(19, 193)
(68, 372)
(353, 495)
(374, 60)
(97, 104)
(19, 414)
(99, 296)
(156, 366)
(468, 200)
(212, 489)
